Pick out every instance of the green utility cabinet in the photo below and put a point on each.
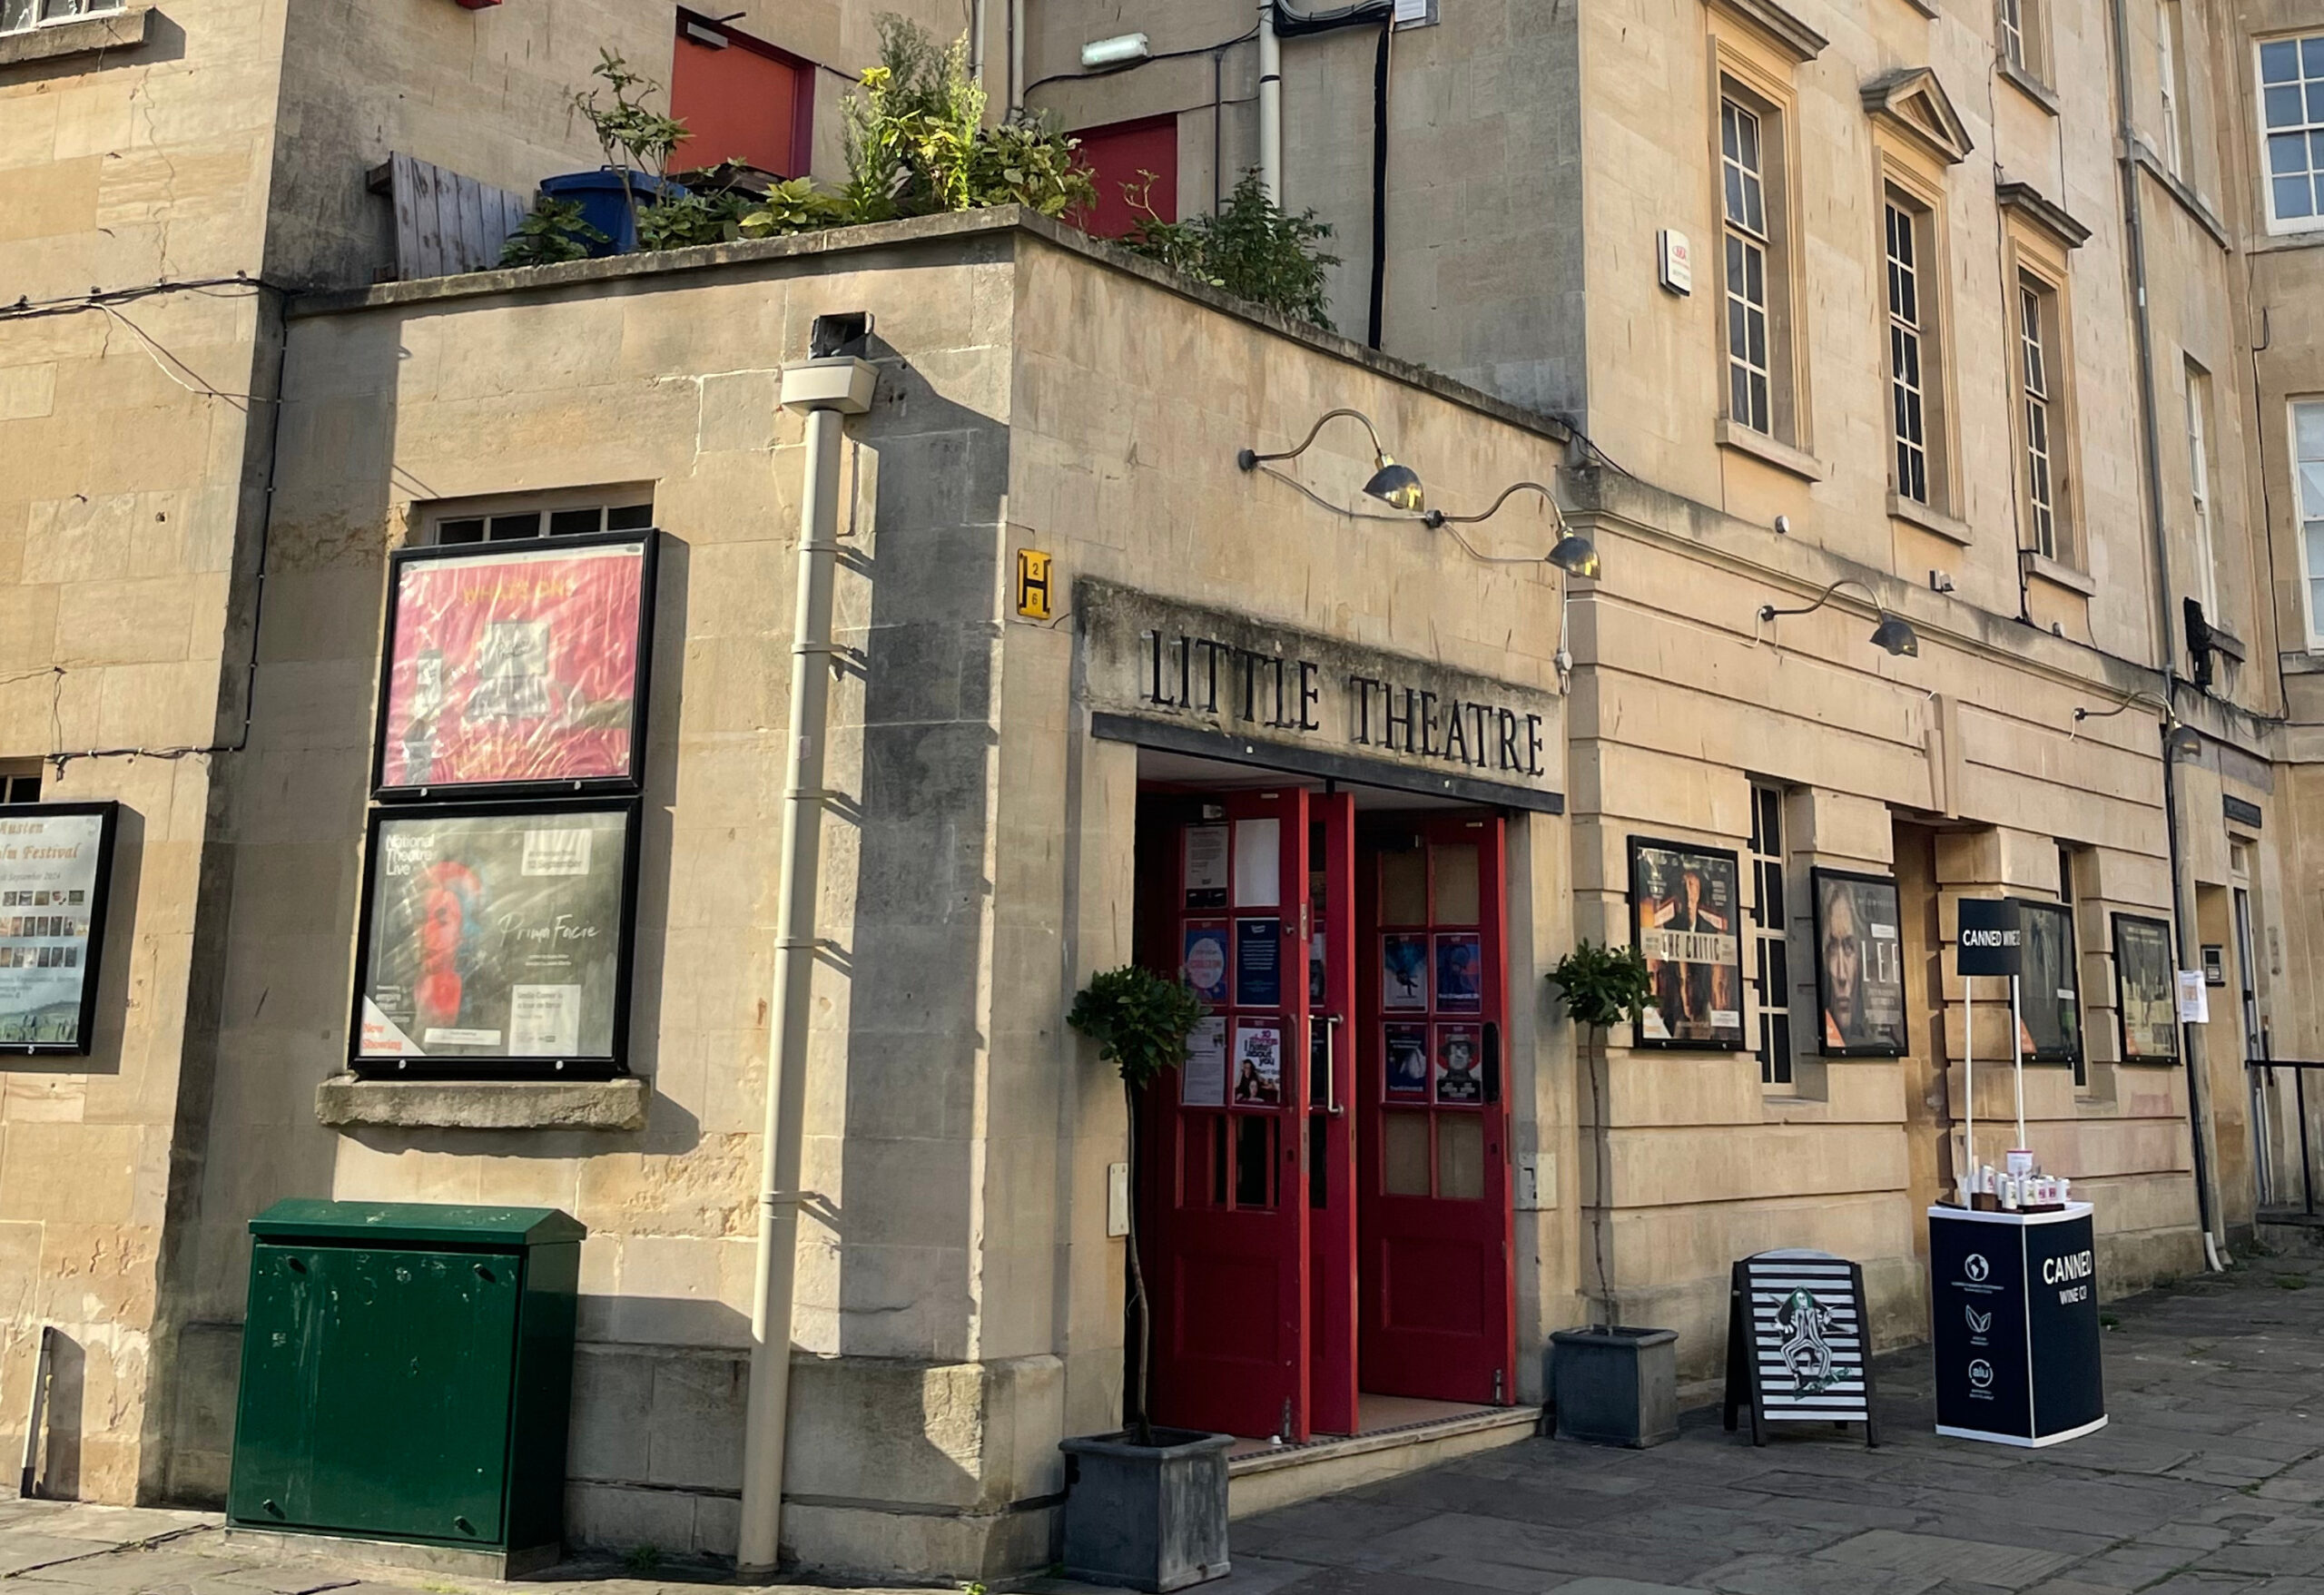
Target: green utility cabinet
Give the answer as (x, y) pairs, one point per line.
(407, 1371)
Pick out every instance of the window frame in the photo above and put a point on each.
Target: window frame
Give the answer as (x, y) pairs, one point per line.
(1767, 974)
(2313, 128)
(2311, 576)
(430, 519)
(2044, 272)
(2168, 51)
(2021, 39)
(83, 11)
(1750, 78)
(2202, 499)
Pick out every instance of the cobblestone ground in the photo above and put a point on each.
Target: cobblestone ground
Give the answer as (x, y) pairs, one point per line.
(2209, 1481)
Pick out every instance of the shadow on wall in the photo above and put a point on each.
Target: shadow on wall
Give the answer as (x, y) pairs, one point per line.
(937, 473)
(56, 1460)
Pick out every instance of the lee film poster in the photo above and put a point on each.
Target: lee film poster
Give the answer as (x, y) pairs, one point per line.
(1859, 966)
(55, 865)
(2145, 990)
(1687, 925)
(518, 664)
(496, 938)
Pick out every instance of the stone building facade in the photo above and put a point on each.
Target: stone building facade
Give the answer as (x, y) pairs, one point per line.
(2083, 206)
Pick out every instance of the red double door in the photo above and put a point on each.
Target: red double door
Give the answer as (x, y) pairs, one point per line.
(1325, 1199)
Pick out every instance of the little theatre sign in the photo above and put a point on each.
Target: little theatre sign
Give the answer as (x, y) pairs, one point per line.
(1205, 681)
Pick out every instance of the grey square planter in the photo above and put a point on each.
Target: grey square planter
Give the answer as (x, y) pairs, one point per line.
(1616, 1386)
(1145, 1517)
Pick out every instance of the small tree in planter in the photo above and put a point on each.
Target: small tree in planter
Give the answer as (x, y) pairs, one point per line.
(1610, 1382)
(1140, 1022)
(1143, 1508)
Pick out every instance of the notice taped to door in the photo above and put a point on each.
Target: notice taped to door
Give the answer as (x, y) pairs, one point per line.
(1795, 1342)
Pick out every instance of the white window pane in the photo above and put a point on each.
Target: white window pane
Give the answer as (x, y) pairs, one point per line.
(2279, 62)
(2312, 534)
(2308, 422)
(16, 15)
(2284, 107)
(2311, 487)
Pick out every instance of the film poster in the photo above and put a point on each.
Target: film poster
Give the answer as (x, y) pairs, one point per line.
(2144, 967)
(495, 936)
(1689, 927)
(514, 666)
(1859, 965)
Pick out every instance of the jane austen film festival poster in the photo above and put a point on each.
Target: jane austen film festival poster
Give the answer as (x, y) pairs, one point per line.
(1689, 927)
(54, 863)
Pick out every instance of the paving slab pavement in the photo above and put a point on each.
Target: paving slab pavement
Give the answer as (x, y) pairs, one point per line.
(2207, 1481)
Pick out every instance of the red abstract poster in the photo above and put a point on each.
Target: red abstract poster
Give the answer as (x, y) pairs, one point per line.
(517, 666)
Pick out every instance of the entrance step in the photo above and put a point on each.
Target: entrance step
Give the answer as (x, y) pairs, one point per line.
(1261, 1477)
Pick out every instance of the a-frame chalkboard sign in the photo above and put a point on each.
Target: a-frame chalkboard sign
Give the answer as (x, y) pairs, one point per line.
(1795, 1350)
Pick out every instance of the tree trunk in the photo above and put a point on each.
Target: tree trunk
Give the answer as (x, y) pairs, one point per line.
(1141, 1427)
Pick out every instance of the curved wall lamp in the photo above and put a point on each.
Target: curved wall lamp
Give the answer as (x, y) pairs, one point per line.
(1574, 554)
(1394, 484)
(1893, 636)
(2181, 741)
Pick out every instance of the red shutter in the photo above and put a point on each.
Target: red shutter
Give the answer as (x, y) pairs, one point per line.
(1117, 154)
(742, 101)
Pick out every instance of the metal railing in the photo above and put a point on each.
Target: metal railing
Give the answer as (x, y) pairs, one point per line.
(2269, 1137)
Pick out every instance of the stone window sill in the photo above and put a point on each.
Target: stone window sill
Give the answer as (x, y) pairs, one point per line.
(1927, 519)
(2032, 87)
(2063, 575)
(116, 30)
(2301, 664)
(1760, 446)
(350, 1101)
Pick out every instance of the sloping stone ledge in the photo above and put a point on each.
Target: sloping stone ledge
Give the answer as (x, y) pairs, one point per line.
(350, 1101)
(108, 30)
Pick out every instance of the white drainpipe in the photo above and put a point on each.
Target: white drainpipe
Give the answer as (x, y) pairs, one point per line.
(1270, 103)
(828, 390)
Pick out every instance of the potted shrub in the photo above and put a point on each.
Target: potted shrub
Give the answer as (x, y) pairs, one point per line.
(1613, 1383)
(1145, 1508)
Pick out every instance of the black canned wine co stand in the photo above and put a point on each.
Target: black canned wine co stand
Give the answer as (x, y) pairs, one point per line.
(2015, 1300)
(1795, 1350)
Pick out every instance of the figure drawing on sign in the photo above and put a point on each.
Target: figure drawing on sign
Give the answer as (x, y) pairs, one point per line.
(1843, 955)
(512, 670)
(1403, 971)
(1407, 1061)
(1460, 972)
(1807, 1354)
(1457, 1080)
(451, 898)
(1258, 1066)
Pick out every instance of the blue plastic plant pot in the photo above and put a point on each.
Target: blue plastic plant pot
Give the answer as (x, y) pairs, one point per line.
(605, 202)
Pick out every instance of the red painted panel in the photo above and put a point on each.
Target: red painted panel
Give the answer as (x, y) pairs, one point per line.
(1435, 1282)
(1117, 154)
(1224, 1191)
(748, 102)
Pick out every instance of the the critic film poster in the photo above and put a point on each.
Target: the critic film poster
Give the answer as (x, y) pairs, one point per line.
(495, 936)
(514, 666)
(2147, 992)
(53, 867)
(1859, 966)
(1690, 928)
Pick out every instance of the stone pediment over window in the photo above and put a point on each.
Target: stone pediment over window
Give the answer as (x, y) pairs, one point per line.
(1787, 31)
(1911, 101)
(2024, 200)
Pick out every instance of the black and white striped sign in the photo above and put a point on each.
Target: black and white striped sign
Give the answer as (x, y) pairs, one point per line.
(1795, 1342)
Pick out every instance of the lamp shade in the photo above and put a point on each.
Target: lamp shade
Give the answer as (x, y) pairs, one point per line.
(1894, 634)
(1575, 555)
(2183, 743)
(1397, 485)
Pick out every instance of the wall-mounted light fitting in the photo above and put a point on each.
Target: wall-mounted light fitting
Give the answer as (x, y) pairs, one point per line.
(1894, 635)
(2181, 741)
(1572, 554)
(1118, 51)
(1394, 484)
